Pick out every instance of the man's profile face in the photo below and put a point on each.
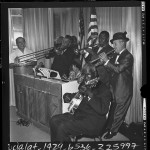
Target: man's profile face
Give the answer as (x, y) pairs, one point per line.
(103, 40)
(65, 43)
(20, 43)
(118, 45)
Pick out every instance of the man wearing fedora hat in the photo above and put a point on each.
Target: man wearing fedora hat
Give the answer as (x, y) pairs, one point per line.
(120, 67)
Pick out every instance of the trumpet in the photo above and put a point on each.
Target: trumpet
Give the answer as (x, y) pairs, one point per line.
(83, 50)
(110, 52)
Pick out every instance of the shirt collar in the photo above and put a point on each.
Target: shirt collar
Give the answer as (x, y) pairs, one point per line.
(121, 51)
(23, 51)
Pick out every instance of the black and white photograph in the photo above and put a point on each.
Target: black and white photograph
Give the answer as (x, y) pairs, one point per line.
(75, 72)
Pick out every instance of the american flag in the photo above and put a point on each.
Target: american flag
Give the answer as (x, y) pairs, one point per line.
(81, 29)
(93, 28)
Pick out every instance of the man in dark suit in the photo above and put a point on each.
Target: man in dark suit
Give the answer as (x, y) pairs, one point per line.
(120, 66)
(90, 116)
(63, 56)
(103, 46)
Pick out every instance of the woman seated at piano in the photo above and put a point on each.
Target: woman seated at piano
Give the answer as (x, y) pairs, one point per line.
(22, 52)
(87, 110)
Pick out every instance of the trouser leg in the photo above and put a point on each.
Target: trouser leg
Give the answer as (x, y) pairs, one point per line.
(111, 115)
(62, 126)
(54, 123)
(120, 111)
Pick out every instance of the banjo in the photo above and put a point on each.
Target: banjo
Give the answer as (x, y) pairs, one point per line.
(76, 100)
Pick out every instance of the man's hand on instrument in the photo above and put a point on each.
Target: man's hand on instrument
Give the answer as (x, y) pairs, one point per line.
(16, 60)
(103, 57)
(46, 54)
(82, 89)
(89, 92)
(80, 79)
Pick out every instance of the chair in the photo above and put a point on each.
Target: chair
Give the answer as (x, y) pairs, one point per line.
(99, 136)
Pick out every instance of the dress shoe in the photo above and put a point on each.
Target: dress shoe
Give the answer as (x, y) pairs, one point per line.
(107, 130)
(109, 135)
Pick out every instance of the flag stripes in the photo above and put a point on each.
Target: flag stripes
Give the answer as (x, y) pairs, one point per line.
(93, 27)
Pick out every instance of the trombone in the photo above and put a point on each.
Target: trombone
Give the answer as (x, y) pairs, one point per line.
(35, 55)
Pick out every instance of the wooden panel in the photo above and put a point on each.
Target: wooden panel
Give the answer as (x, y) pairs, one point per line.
(18, 98)
(32, 110)
(32, 104)
(26, 100)
(41, 106)
(39, 84)
(54, 105)
(47, 105)
(37, 100)
(22, 100)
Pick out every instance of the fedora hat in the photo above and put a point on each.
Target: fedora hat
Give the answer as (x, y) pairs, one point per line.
(119, 36)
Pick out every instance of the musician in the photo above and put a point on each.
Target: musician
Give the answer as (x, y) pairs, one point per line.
(76, 60)
(120, 68)
(90, 116)
(63, 56)
(22, 50)
(103, 46)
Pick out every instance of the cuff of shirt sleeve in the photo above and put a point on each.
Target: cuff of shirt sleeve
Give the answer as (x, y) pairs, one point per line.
(106, 62)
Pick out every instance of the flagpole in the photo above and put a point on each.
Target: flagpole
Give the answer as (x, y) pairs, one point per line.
(81, 33)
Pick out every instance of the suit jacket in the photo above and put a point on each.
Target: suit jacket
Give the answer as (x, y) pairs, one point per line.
(93, 112)
(93, 53)
(63, 63)
(121, 76)
(102, 71)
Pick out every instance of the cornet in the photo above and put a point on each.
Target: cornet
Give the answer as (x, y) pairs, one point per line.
(110, 52)
(83, 50)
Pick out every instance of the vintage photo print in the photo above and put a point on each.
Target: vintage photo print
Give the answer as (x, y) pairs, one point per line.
(72, 74)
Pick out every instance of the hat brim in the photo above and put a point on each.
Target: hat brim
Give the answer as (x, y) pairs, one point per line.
(126, 39)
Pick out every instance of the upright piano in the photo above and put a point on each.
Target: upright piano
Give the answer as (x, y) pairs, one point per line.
(38, 99)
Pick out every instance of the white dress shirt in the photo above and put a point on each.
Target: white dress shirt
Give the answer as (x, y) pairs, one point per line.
(18, 53)
(116, 61)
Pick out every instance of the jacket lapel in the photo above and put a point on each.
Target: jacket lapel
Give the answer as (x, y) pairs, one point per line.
(122, 54)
